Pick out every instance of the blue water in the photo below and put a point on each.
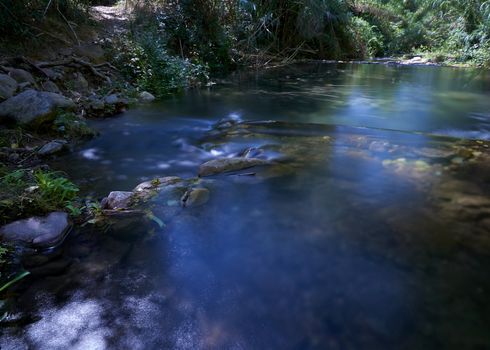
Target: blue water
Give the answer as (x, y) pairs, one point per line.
(370, 231)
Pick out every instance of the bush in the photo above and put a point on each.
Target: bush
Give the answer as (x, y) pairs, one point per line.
(24, 193)
(145, 60)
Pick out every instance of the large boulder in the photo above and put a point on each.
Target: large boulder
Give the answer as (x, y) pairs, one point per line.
(222, 165)
(8, 85)
(38, 232)
(33, 107)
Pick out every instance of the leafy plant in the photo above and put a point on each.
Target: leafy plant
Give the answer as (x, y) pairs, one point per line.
(54, 189)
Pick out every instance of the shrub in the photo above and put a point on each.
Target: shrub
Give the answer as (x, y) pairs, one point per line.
(145, 60)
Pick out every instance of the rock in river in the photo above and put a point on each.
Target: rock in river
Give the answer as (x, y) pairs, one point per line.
(119, 199)
(39, 232)
(195, 197)
(33, 106)
(222, 165)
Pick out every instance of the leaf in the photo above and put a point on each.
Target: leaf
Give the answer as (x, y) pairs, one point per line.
(16, 279)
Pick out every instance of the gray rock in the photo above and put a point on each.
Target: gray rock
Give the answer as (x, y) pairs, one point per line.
(49, 86)
(112, 99)
(8, 86)
(93, 52)
(51, 148)
(22, 76)
(52, 73)
(119, 199)
(195, 197)
(24, 86)
(146, 97)
(39, 232)
(95, 103)
(33, 106)
(222, 165)
(79, 84)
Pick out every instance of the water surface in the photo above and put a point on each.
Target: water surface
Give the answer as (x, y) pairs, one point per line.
(369, 231)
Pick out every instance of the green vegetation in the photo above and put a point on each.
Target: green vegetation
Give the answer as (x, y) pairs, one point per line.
(220, 34)
(27, 192)
(175, 44)
(71, 126)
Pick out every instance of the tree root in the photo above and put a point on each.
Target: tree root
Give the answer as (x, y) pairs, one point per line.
(75, 60)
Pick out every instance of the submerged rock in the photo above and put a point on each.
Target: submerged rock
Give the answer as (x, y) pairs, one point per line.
(222, 165)
(8, 86)
(33, 106)
(39, 232)
(195, 197)
(147, 189)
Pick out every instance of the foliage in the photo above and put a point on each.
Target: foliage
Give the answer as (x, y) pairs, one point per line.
(145, 60)
(23, 193)
(25, 18)
(55, 190)
(71, 126)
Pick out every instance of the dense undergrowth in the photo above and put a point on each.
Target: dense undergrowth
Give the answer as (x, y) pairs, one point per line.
(174, 44)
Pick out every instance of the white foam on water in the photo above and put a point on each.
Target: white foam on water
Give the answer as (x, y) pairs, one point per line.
(91, 154)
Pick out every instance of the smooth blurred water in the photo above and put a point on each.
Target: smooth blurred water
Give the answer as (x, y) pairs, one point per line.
(364, 236)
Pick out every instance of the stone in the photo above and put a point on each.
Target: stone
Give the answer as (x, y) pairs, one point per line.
(22, 76)
(31, 107)
(433, 152)
(39, 232)
(79, 83)
(155, 183)
(119, 199)
(112, 99)
(222, 165)
(52, 73)
(93, 52)
(51, 147)
(49, 86)
(8, 86)
(195, 197)
(146, 97)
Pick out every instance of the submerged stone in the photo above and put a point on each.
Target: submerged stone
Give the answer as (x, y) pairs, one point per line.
(222, 165)
(195, 197)
(39, 232)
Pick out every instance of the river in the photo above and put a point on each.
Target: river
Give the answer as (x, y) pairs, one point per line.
(370, 230)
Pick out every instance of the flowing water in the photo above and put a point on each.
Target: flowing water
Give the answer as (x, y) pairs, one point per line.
(368, 228)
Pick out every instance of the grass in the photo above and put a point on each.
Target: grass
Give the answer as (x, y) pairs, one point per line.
(24, 192)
